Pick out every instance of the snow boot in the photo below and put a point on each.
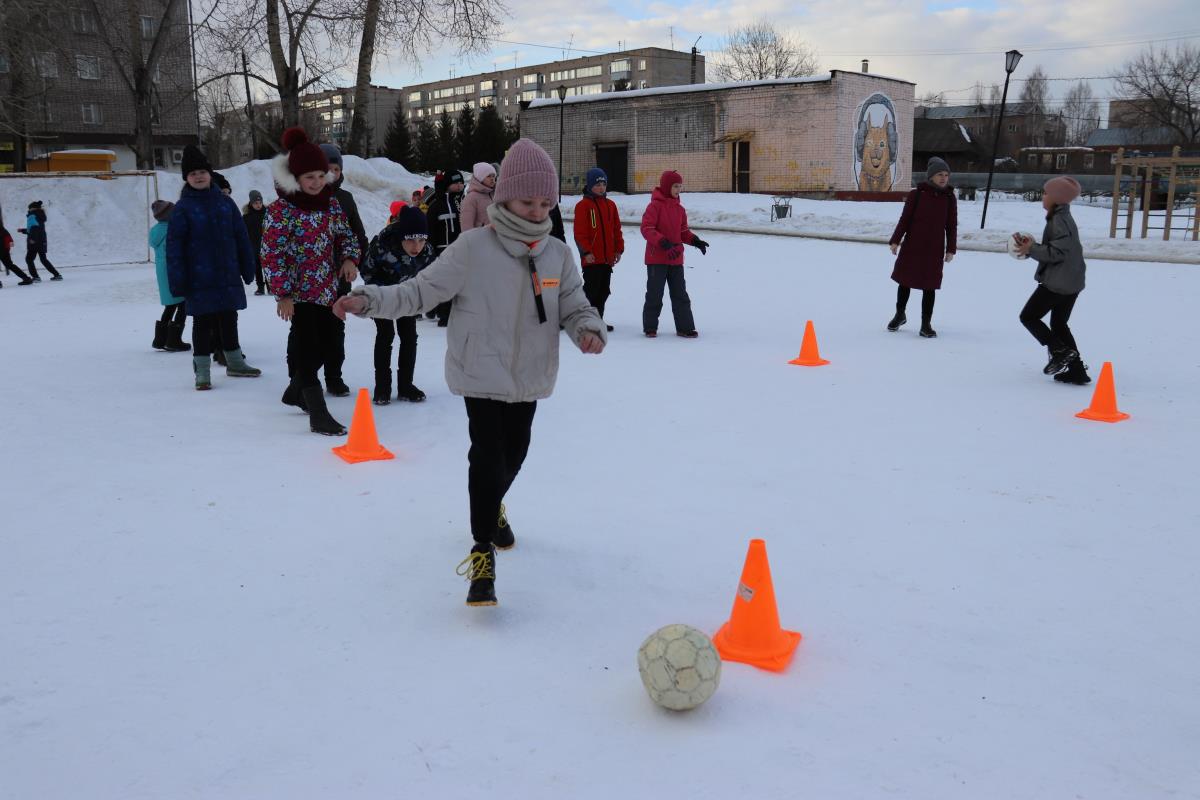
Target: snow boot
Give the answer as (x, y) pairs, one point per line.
(504, 538)
(480, 569)
(175, 342)
(383, 387)
(927, 331)
(57, 277)
(236, 366)
(319, 419)
(26, 281)
(688, 334)
(651, 334)
(1075, 373)
(408, 392)
(293, 397)
(335, 385)
(202, 366)
(897, 321)
(1059, 360)
(160, 336)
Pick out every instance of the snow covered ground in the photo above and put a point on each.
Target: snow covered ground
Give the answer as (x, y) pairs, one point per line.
(998, 600)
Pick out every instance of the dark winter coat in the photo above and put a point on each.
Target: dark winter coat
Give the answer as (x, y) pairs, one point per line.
(208, 252)
(928, 229)
(254, 224)
(557, 229)
(443, 216)
(35, 230)
(350, 209)
(665, 229)
(387, 264)
(598, 230)
(1059, 255)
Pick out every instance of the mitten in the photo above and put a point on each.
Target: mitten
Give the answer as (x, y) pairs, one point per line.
(700, 245)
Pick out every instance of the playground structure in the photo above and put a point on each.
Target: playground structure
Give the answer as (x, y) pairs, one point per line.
(1177, 171)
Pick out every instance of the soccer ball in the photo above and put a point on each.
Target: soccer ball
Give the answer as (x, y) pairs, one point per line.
(680, 667)
(1012, 244)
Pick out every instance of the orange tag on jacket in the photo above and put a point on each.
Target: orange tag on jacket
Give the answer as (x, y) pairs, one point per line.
(549, 283)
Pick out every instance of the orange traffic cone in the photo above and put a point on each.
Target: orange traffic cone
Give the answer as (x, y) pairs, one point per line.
(753, 635)
(363, 444)
(809, 356)
(1104, 399)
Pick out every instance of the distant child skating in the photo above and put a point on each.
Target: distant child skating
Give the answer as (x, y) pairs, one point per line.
(927, 239)
(168, 331)
(665, 229)
(37, 242)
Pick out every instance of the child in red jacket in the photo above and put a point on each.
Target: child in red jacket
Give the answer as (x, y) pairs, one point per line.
(598, 237)
(665, 229)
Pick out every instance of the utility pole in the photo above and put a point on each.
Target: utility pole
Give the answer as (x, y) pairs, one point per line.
(694, 53)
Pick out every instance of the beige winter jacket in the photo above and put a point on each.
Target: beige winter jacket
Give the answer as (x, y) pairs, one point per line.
(495, 346)
(473, 212)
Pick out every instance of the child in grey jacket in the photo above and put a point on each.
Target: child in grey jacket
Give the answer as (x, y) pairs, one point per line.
(1060, 276)
(512, 289)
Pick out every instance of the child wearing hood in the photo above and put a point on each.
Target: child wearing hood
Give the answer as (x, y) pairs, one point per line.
(445, 222)
(665, 229)
(253, 215)
(478, 197)
(307, 246)
(926, 238)
(598, 237)
(1060, 276)
(512, 287)
(37, 242)
(168, 331)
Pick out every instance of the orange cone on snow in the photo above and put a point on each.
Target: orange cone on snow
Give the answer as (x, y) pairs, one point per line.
(752, 635)
(1104, 399)
(809, 356)
(363, 444)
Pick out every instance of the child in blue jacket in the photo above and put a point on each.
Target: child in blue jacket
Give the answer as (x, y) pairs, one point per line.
(168, 331)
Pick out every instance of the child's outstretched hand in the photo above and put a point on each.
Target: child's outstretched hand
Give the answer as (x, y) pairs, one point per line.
(589, 342)
(895, 248)
(350, 304)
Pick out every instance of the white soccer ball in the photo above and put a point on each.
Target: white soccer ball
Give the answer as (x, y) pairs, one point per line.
(680, 667)
(1012, 243)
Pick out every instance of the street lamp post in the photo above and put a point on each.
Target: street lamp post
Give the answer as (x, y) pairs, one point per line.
(1011, 59)
(562, 97)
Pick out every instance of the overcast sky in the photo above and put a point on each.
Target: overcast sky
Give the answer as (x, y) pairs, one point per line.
(941, 46)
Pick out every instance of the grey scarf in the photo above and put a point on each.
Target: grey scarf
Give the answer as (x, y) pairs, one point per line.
(510, 226)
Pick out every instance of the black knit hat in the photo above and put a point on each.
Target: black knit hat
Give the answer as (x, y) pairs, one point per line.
(411, 223)
(193, 159)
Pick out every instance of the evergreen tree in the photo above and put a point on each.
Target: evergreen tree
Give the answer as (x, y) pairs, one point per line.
(445, 142)
(512, 132)
(426, 146)
(465, 136)
(398, 142)
(491, 137)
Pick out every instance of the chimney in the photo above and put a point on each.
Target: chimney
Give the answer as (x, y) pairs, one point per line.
(865, 66)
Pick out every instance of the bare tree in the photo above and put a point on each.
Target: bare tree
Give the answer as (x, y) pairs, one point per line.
(29, 46)
(1081, 112)
(1164, 86)
(759, 51)
(932, 99)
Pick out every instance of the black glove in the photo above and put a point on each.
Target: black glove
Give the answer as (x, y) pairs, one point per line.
(700, 245)
(666, 244)
(22, 230)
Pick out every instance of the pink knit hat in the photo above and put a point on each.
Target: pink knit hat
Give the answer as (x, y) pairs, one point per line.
(1062, 190)
(526, 171)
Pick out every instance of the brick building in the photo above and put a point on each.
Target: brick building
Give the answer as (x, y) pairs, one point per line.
(1023, 126)
(85, 102)
(838, 132)
(949, 141)
(1062, 161)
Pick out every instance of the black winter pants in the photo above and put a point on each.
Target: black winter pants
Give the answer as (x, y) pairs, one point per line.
(927, 298)
(406, 329)
(1059, 306)
(311, 342)
(209, 330)
(175, 312)
(9, 266)
(597, 281)
(31, 254)
(259, 281)
(659, 276)
(499, 442)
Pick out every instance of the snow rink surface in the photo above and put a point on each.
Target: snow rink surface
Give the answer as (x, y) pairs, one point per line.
(998, 600)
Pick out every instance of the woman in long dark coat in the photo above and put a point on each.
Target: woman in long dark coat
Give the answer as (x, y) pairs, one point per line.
(926, 238)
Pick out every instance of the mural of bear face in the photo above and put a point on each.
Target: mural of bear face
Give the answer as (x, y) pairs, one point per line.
(876, 174)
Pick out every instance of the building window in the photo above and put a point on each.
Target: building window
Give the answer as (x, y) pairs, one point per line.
(487, 86)
(1089, 160)
(414, 97)
(1032, 160)
(1012, 128)
(1060, 161)
(87, 67)
(3, 63)
(643, 85)
(641, 65)
(91, 114)
(530, 80)
(47, 65)
(420, 113)
(619, 66)
(336, 100)
(591, 88)
(506, 84)
(82, 21)
(147, 27)
(506, 101)
(484, 102)
(1047, 159)
(530, 95)
(1112, 160)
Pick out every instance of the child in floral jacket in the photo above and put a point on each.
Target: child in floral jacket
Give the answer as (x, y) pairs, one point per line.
(305, 234)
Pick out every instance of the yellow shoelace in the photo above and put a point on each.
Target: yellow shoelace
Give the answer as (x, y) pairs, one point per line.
(477, 566)
(502, 520)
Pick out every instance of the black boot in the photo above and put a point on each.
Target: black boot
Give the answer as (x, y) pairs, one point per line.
(897, 320)
(480, 569)
(408, 392)
(293, 397)
(1076, 373)
(160, 336)
(927, 331)
(504, 538)
(336, 386)
(175, 342)
(319, 419)
(1059, 360)
(383, 387)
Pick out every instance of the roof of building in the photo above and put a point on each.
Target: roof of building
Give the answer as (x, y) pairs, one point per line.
(940, 136)
(1124, 137)
(973, 110)
(704, 87)
(1063, 149)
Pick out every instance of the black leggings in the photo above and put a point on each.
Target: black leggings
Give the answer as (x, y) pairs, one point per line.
(175, 311)
(313, 341)
(406, 329)
(209, 330)
(500, 435)
(1058, 336)
(597, 282)
(927, 298)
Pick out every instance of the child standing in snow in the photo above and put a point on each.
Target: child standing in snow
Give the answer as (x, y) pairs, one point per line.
(208, 265)
(444, 216)
(253, 215)
(6, 243)
(37, 242)
(598, 237)
(512, 286)
(397, 254)
(1060, 276)
(665, 229)
(304, 236)
(168, 331)
(928, 228)
(478, 197)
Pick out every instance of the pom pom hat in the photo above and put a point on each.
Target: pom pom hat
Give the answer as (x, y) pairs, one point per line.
(302, 155)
